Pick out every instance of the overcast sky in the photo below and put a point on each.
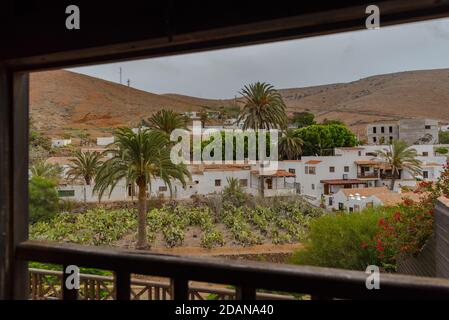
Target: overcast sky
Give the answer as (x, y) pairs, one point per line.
(299, 63)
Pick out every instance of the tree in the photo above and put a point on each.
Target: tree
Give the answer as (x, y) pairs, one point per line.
(85, 166)
(318, 138)
(166, 121)
(264, 107)
(290, 145)
(332, 121)
(43, 199)
(400, 156)
(204, 116)
(443, 137)
(39, 145)
(138, 158)
(303, 119)
(234, 193)
(46, 170)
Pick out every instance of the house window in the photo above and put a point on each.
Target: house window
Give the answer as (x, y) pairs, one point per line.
(346, 169)
(292, 171)
(311, 170)
(391, 139)
(341, 206)
(331, 201)
(374, 130)
(360, 153)
(243, 182)
(66, 193)
(427, 127)
(425, 154)
(331, 169)
(269, 184)
(425, 174)
(382, 129)
(306, 170)
(217, 182)
(162, 188)
(374, 139)
(390, 129)
(313, 186)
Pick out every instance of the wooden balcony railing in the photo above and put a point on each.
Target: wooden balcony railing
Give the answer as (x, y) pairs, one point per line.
(246, 276)
(46, 285)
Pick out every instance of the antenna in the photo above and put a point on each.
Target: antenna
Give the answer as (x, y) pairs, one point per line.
(128, 82)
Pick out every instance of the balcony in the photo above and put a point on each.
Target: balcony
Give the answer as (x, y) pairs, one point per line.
(247, 277)
(368, 175)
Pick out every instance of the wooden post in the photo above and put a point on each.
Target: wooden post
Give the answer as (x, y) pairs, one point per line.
(179, 289)
(245, 293)
(14, 89)
(122, 285)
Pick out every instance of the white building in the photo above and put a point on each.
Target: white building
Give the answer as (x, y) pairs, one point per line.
(319, 178)
(104, 141)
(206, 180)
(354, 200)
(57, 143)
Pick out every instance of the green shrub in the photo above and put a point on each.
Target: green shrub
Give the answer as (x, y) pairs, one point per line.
(335, 241)
(43, 204)
(441, 150)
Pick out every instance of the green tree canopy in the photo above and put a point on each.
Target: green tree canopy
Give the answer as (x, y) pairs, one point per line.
(44, 200)
(303, 119)
(318, 138)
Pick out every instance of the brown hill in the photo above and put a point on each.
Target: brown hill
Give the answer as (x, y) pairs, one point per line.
(66, 100)
(62, 100)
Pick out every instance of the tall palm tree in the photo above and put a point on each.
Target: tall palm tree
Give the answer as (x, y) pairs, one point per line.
(264, 107)
(138, 158)
(166, 121)
(85, 166)
(290, 145)
(400, 156)
(46, 170)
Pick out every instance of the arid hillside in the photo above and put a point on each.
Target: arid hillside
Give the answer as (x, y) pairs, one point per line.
(63, 100)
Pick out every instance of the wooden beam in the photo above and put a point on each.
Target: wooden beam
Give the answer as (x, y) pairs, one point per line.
(14, 181)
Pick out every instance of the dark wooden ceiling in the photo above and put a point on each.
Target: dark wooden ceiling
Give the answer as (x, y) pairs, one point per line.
(33, 33)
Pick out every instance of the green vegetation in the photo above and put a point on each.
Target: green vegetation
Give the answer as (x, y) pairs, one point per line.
(263, 108)
(46, 170)
(303, 119)
(380, 236)
(286, 221)
(400, 156)
(319, 138)
(166, 121)
(290, 144)
(85, 166)
(138, 158)
(94, 227)
(443, 137)
(442, 150)
(43, 201)
(334, 241)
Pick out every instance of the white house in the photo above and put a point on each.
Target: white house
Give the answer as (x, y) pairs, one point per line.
(319, 177)
(104, 141)
(57, 143)
(354, 200)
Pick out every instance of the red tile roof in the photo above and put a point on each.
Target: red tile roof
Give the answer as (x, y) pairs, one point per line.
(313, 162)
(278, 173)
(343, 181)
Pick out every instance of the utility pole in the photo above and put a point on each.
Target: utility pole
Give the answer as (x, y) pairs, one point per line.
(120, 70)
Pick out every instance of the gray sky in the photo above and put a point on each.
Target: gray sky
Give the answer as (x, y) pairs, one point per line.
(299, 63)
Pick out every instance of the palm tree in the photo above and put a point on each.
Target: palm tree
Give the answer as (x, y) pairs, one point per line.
(400, 156)
(85, 166)
(204, 116)
(166, 121)
(46, 170)
(290, 145)
(264, 107)
(234, 192)
(138, 158)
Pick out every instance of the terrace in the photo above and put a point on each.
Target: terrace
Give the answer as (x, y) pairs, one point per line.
(131, 37)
